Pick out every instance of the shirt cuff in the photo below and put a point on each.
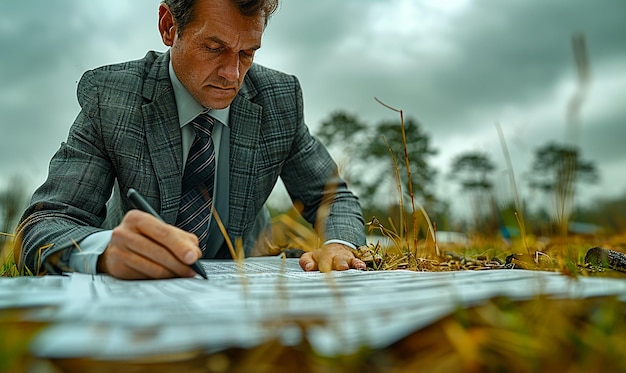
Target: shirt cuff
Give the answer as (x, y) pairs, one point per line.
(352, 246)
(85, 260)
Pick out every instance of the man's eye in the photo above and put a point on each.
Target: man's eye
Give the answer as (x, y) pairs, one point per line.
(213, 50)
(247, 55)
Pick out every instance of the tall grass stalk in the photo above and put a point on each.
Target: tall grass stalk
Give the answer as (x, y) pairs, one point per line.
(414, 211)
(518, 204)
(567, 176)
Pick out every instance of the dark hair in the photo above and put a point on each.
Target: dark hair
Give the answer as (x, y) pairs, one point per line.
(182, 10)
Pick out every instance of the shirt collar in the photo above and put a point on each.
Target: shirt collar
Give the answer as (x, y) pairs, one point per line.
(187, 106)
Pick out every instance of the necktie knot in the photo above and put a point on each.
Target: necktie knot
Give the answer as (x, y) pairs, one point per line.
(203, 125)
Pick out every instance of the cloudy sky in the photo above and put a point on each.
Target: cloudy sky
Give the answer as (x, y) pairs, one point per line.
(458, 66)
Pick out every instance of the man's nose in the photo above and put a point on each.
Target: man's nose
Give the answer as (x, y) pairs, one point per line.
(230, 67)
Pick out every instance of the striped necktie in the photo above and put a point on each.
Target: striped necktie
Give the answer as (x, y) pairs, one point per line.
(197, 187)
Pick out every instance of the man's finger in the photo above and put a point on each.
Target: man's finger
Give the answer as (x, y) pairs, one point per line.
(160, 261)
(126, 265)
(307, 262)
(144, 268)
(357, 263)
(340, 262)
(182, 244)
(324, 259)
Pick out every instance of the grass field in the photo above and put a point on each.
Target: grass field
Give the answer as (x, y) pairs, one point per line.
(540, 334)
(501, 335)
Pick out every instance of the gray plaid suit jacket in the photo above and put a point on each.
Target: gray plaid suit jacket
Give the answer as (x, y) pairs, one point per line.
(127, 134)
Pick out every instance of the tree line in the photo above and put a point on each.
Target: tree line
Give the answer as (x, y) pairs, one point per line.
(375, 165)
(373, 153)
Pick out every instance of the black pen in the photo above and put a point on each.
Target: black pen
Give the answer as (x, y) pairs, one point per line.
(140, 203)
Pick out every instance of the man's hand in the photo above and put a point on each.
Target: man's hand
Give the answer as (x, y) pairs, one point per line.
(144, 247)
(331, 257)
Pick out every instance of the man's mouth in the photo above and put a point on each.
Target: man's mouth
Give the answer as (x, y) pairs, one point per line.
(222, 88)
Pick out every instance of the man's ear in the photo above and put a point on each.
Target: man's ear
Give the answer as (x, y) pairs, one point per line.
(167, 25)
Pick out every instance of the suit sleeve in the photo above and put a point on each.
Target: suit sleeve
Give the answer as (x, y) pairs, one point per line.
(311, 177)
(70, 205)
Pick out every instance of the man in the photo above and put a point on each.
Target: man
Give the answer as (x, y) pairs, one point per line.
(140, 126)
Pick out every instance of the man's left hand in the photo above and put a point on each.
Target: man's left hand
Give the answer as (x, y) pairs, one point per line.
(330, 257)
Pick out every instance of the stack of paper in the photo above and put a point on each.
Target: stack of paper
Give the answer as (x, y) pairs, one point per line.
(244, 305)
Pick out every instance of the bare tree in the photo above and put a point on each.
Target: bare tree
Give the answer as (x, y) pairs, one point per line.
(555, 170)
(474, 171)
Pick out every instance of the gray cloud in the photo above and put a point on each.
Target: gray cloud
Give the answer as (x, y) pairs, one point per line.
(45, 51)
(457, 72)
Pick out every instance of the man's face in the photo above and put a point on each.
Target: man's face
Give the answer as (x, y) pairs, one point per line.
(215, 50)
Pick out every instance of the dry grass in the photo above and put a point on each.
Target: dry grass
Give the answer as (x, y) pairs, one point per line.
(502, 335)
(7, 263)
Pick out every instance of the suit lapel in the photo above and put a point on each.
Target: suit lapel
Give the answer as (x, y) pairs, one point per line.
(245, 126)
(163, 135)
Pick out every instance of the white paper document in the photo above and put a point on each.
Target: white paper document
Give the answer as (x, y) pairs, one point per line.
(244, 305)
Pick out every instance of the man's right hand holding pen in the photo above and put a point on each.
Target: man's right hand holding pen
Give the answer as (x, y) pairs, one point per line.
(144, 247)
